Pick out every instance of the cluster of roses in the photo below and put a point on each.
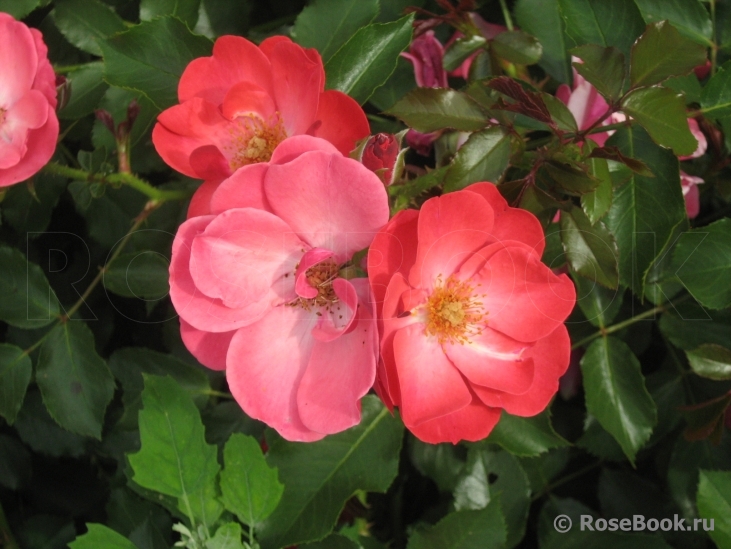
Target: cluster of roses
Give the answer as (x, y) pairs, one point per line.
(457, 318)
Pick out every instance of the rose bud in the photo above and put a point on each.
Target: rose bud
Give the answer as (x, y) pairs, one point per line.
(380, 154)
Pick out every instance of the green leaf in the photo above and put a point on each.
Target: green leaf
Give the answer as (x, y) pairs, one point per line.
(662, 52)
(481, 529)
(702, 262)
(645, 210)
(150, 58)
(185, 10)
(617, 23)
(489, 475)
(590, 250)
(604, 68)
(662, 113)
(87, 89)
(85, 23)
(690, 18)
(367, 60)
(596, 203)
(400, 83)
(143, 275)
(228, 536)
(175, 459)
(460, 50)
(430, 109)
(692, 326)
(328, 24)
(28, 300)
(599, 304)
(560, 113)
(541, 18)
(334, 541)
(716, 95)
(714, 503)
(249, 487)
(320, 476)
(15, 463)
(19, 8)
(526, 436)
(483, 157)
(75, 381)
(28, 208)
(616, 394)
(99, 536)
(711, 361)
(15, 371)
(439, 462)
(517, 47)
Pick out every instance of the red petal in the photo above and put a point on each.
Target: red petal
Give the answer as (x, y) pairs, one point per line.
(473, 422)
(340, 120)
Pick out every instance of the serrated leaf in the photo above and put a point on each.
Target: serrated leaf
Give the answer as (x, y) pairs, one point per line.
(87, 89)
(604, 68)
(616, 394)
(75, 381)
(690, 18)
(617, 23)
(480, 529)
(85, 23)
(711, 361)
(15, 371)
(613, 153)
(143, 275)
(599, 304)
(714, 504)
(526, 436)
(644, 211)
(662, 52)
(185, 10)
(28, 300)
(328, 24)
(249, 487)
(320, 476)
(175, 459)
(430, 109)
(597, 202)
(150, 58)
(367, 60)
(702, 262)
(228, 536)
(590, 249)
(460, 50)
(517, 47)
(716, 94)
(527, 102)
(99, 536)
(662, 113)
(542, 19)
(439, 462)
(483, 157)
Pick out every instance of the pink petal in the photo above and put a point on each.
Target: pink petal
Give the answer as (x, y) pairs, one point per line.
(493, 360)
(330, 201)
(333, 108)
(200, 204)
(430, 384)
(244, 189)
(700, 137)
(340, 372)
(245, 99)
(473, 422)
(295, 146)
(45, 79)
(451, 228)
(551, 356)
(265, 365)
(209, 163)
(18, 60)
(340, 318)
(31, 111)
(40, 146)
(242, 256)
(234, 60)
(311, 258)
(209, 348)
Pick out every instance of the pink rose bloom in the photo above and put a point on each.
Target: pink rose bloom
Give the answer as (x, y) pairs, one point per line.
(689, 183)
(239, 104)
(258, 289)
(28, 123)
(471, 321)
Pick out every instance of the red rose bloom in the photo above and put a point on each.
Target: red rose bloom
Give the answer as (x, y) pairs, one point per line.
(239, 104)
(471, 321)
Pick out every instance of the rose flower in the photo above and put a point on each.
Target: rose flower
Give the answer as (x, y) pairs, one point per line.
(258, 287)
(28, 123)
(471, 321)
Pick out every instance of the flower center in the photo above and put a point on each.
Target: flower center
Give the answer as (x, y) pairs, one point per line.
(254, 139)
(2, 115)
(320, 277)
(454, 313)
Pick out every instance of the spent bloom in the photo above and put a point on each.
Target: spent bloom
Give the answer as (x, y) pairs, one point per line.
(28, 122)
(258, 287)
(239, 104)
(471, 321)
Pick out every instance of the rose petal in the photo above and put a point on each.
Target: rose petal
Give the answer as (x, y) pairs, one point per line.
(210, 348)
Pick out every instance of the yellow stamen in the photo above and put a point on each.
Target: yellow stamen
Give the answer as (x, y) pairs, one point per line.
(454, 312)
(254, 139)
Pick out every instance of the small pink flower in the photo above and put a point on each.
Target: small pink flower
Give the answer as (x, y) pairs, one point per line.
(28, 122)
(700, 137)
(239, 104)
(257, 285)
(689, 184)
(471, 321)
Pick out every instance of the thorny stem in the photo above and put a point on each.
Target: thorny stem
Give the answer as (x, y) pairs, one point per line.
(128, 179)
